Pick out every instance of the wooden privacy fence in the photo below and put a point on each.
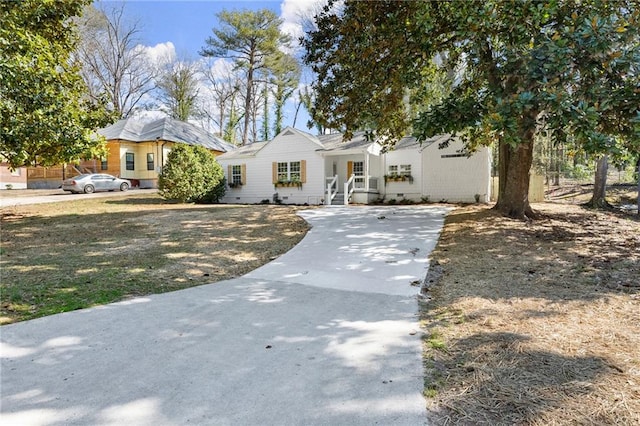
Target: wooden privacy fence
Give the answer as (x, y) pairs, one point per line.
(536, 189)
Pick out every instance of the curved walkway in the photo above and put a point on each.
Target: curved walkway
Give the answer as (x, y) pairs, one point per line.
(326, 334)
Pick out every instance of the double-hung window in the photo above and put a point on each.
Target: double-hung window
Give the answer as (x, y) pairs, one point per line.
(400, 170)
(150, 162)
(294, 171)
(236, 174)
(130, 161)
(283, 172)
(289, 171)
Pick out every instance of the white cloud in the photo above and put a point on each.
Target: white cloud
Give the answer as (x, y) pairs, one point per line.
(296, 16)
(221, 67)
(161, 53)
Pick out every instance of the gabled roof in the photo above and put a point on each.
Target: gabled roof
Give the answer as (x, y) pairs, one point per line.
(334, 142)
(411, 142)
(164, 129)
(290, 131)
(250, 150)
(244, 151)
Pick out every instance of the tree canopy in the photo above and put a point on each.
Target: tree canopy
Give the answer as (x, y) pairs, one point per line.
(178, 85)
(44, 116)
(518, 67)
(114, 66)
(250, 39)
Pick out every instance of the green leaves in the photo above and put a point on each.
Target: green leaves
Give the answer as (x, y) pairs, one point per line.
(515, 65)
(252, 39)
(42, 119)
(191, 174)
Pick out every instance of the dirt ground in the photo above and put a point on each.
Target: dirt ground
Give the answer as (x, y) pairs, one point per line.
(534, 323)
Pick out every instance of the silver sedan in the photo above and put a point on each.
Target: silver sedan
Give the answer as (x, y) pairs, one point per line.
(89, 183)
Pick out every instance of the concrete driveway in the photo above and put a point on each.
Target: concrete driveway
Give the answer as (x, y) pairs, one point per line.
(327, 334)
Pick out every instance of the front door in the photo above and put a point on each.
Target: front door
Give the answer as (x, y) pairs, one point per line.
(356, 168)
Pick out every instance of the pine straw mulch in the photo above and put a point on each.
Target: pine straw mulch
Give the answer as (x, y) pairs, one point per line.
(534, 323)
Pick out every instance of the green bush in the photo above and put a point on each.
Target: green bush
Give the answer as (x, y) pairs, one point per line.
(215, 194)
(582, 172)
(191, 174)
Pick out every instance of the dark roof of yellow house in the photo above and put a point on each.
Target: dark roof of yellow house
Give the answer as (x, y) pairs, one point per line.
(165, 129)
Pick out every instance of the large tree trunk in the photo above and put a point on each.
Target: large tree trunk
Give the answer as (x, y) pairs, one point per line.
(598, 199)
(513, 192)
(638, 164)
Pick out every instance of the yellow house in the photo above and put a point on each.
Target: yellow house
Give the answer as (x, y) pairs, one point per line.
(137, 151)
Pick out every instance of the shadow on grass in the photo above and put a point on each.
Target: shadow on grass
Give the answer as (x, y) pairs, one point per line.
(71, 261)
(527, 385)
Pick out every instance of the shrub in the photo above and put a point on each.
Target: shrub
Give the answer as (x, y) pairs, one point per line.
(582, 172)
(215, 194)
(191, 174)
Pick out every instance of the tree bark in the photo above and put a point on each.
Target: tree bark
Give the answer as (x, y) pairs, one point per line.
(247, 105)
(598, 199)
(513, 194)
(558, 165)
(638, 164)
(503, 161)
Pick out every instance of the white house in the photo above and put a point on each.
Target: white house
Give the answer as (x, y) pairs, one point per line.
(297, 168)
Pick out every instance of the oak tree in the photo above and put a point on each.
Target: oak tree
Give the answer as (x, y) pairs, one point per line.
(519, 67)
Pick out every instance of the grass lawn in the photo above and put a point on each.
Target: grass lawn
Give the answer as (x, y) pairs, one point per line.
(63, 256)
(534, 323)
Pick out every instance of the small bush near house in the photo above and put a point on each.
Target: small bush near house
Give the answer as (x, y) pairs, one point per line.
(191, 174)
(215, 194)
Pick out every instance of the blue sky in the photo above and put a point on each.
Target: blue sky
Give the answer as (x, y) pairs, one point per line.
(186, 24)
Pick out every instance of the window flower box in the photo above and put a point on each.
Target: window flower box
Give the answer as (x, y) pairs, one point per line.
(235, 184)
(398, 178)
(288, 183)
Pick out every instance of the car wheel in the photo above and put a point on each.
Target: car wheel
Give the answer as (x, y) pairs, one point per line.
(89, 189)
(124, 186)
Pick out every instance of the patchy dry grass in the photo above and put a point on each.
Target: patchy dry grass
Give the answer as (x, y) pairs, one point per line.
(537, 323)
(65, 256)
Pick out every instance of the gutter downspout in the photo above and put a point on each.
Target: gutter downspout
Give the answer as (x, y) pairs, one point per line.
(161, 153)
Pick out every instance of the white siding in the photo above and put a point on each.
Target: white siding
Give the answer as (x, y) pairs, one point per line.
(438, 178)
(456, 179)
(404, 189)
(259, 185)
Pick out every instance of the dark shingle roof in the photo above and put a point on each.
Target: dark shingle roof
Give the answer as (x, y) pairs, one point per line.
(165, 129)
